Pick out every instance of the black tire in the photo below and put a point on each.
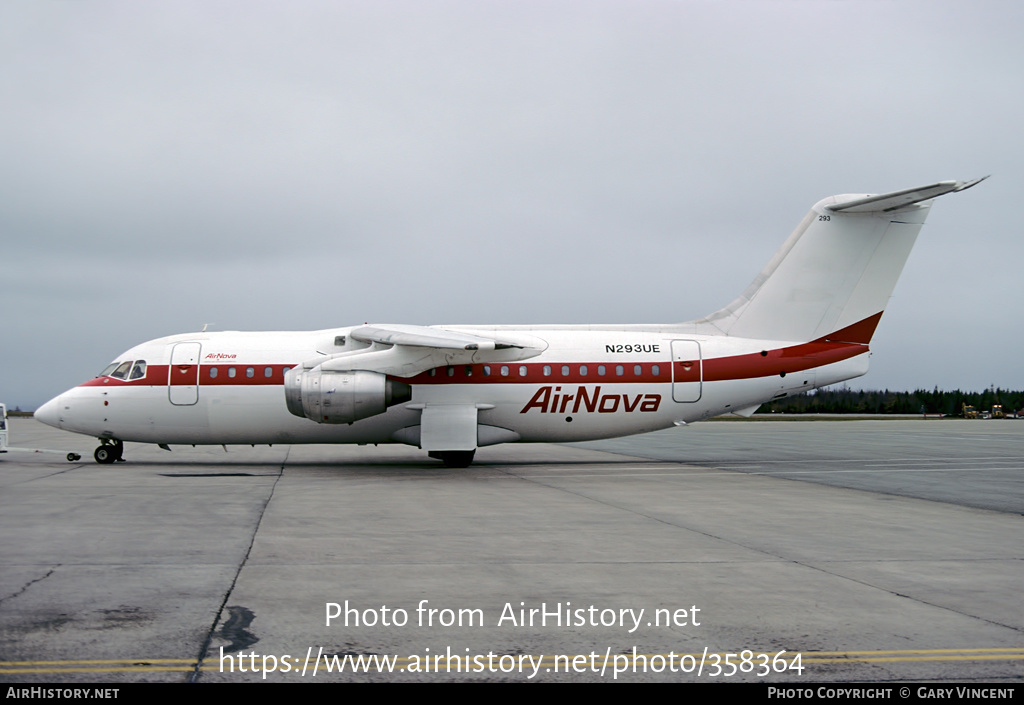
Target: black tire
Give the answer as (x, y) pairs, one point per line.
(455, 458)
(72, 457)
(104, 455)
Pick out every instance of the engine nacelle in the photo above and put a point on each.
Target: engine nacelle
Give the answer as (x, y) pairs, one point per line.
(326, 396)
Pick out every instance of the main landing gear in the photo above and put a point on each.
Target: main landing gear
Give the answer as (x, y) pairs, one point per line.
(110, 451)
(453, 458)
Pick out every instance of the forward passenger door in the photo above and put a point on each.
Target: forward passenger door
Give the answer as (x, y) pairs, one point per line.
(183, 377)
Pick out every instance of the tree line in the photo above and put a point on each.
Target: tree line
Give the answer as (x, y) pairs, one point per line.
(849, 401)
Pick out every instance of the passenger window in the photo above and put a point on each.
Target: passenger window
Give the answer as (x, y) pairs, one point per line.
(638, 370)
(600, 370)
(522, 370)
(231, 372)
(487, 370)
(122, 370)
(250, 372)
(655, 370)
(504, 370)
(565, 370)
(213, 372)
(468, 370)
(620, 370)
(583, 370)
(139, 371)
(451, 371)
(268, 372)
(547, 370)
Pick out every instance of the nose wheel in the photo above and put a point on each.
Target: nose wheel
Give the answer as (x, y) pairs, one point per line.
(109, 452)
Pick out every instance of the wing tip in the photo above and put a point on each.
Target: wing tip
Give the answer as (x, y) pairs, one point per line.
(964, 185)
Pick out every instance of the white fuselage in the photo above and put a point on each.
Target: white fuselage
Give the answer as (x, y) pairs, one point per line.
(588, 383)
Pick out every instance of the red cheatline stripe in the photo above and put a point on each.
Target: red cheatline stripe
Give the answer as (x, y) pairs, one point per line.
(156, 376)
(768, 363)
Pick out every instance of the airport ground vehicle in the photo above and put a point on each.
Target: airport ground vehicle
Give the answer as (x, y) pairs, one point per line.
(4, 447)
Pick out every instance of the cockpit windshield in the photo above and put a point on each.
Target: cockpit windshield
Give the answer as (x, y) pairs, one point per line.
(125, 370)
(122, 370)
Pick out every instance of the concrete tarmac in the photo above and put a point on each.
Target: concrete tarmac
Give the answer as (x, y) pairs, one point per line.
(538, 563)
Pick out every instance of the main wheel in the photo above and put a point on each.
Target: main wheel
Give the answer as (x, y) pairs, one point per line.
(455, 458)
(104, 455)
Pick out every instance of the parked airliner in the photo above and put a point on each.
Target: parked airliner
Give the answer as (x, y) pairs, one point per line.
(806, 321)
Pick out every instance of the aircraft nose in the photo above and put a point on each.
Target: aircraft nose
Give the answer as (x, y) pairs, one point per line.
(49, 413)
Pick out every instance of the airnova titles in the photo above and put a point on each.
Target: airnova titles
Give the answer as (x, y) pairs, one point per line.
(550, 400)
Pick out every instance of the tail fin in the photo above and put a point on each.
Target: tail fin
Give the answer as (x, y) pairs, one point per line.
(833, 277)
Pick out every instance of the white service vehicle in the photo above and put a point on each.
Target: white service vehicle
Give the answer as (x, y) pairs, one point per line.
(4, 448)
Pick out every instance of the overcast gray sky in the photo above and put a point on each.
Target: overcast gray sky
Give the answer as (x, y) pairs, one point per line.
(293, 166)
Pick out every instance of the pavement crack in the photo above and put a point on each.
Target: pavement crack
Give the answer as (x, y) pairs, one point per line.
(905, 596)
(37, 478)
(236, 627)
(29, 584)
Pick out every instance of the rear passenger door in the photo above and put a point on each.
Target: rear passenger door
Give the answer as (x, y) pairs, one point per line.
(687, 371)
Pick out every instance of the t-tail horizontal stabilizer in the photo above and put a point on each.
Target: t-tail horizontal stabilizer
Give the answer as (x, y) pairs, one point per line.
(836, 271)
(900, 199)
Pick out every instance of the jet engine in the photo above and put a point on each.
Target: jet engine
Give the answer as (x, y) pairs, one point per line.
(327, 396)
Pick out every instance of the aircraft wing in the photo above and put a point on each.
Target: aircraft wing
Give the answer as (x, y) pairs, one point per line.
(426, 337)
(407, 350)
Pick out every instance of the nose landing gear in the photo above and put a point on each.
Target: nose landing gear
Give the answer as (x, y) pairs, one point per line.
(109, 451)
